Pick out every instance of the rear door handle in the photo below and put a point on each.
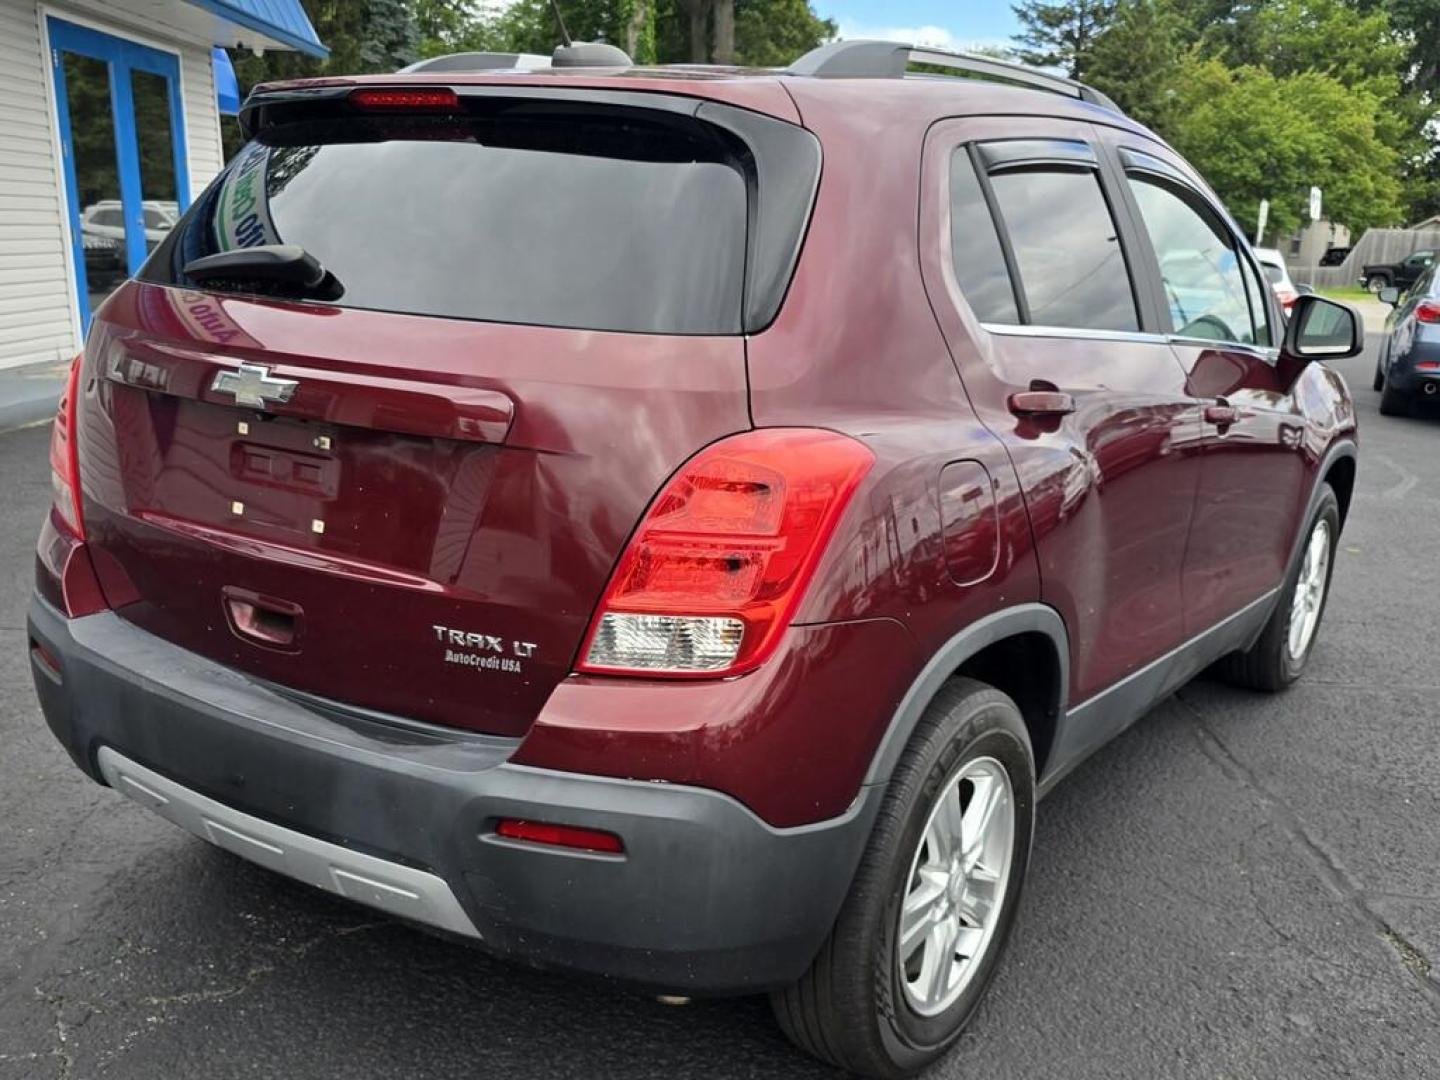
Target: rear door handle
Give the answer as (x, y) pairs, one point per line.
(1041, 403)
(1221, 414)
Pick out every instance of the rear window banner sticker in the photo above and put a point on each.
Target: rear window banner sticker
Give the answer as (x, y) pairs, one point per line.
(242, 211)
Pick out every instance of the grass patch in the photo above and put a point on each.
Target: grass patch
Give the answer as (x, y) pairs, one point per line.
(1349, 293)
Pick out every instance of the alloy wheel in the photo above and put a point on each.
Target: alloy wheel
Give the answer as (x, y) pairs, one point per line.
(1309, 595)
(956, 886)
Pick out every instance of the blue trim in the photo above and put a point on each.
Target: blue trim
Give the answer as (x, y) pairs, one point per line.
(296, 31)
(227, 85)
(124, 58)
(127, 149)
(72, 193)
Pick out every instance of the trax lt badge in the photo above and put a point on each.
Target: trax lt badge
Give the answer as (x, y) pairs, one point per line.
(253, 385)
(483, 652)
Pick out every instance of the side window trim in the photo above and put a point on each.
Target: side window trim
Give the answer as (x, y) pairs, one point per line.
(1002, 232)
(1251, 271)
(1002, 154)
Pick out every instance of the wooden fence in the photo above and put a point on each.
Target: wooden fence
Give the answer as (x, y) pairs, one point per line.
(1376, 246)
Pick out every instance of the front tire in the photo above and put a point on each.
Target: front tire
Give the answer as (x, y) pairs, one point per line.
(1379, 382)
(927, 918)
(1278, 656)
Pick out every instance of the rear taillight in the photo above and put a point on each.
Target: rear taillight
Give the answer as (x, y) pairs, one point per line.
(64, 462)
(1427, 311)
(718, 566)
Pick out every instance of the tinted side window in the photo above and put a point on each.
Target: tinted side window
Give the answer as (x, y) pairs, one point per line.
(1066, 248)
(975, 248)
(1199, 267)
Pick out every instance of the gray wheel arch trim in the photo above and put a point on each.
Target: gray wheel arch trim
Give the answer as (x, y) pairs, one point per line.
(1008, 622)
(1342, 448)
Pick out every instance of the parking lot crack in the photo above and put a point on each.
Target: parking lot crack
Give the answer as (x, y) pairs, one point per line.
(1330, 870)
(61, 1049)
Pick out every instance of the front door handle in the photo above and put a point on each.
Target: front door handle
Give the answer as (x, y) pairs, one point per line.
(1221, 414)
(1041, 403)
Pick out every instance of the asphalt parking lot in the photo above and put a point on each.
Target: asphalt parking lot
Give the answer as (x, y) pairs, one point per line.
(1241, 886)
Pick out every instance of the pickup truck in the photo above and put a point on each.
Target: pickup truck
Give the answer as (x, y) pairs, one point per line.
(1402, 274)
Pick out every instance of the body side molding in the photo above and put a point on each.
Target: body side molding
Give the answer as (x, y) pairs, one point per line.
(1095, 722)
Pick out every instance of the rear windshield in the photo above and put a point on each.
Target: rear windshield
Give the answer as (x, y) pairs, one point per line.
(1276, 274)
(619, 219)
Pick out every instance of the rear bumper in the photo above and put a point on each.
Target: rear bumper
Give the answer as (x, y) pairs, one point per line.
(1411, 371)
(706, 899)
(1417, 366)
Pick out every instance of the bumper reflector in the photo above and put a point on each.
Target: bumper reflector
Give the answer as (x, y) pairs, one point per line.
(568, 836)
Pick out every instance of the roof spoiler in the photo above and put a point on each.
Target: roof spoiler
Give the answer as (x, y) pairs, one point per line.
(891, 60)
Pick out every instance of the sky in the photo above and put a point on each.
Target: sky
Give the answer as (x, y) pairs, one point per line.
(951, 24)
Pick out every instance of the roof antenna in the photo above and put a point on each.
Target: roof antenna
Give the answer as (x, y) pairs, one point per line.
(586, 53)
(564, 34)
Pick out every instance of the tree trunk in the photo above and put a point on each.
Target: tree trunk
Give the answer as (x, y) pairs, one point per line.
(640, 31)
(699, 12)
(724, 50)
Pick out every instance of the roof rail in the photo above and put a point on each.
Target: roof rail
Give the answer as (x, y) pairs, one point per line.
(575, 54)
(890, 59)
(476, 61)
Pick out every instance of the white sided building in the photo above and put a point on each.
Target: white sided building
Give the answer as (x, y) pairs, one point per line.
(109, 126)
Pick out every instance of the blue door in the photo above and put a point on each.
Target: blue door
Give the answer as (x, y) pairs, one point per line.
(123, 136)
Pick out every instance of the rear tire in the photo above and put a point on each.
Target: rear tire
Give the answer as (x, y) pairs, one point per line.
(883, 1009)
(1393, 402)
(1376, 282)
(1279, 654)
(1379, 383)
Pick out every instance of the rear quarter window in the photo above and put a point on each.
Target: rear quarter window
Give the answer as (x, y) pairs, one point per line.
(609, 220)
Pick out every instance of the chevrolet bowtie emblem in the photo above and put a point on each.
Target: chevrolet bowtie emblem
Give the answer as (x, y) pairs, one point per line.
(253, 385)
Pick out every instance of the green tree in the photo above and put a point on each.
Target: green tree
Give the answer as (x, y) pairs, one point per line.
(363, 36)
(760, 32)
(1255, 136)
(1061, 34)
(448, 26)
(1330, 36)
(1417, 22)
(772, 33)
(1137, 58)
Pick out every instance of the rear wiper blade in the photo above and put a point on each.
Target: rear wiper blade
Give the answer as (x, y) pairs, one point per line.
(283, 264)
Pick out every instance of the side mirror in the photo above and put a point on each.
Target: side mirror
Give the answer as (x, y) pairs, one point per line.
(1321, 329)
(1389, 296)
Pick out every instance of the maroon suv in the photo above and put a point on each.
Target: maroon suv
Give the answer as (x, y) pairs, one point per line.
(674, 523)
